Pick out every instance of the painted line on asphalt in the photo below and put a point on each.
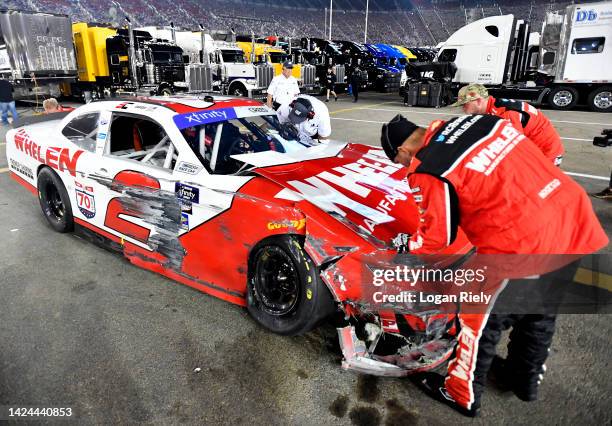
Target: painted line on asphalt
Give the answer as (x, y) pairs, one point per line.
(456, 115)
(356, 108)
(588, 176)
(4, 170)
(2, 143)
(426, 124)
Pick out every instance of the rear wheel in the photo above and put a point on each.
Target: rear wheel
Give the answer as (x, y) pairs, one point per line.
(285, 294)
(54, 201)
(600, 99)
(563, 97)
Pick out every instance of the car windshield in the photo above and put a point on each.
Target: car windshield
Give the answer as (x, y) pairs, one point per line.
(215, 143)
(236, 56)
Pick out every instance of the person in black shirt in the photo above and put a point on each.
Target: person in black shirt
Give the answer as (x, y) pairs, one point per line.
(7, 102)
(355, 83)
(330, 77)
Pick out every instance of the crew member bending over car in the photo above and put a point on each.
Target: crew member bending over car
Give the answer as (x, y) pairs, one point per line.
(475, 99)
(510, 201)
(310, 116)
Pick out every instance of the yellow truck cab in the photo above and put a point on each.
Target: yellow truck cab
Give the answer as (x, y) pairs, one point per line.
(90, 46)
(305, 74)
(408, 55)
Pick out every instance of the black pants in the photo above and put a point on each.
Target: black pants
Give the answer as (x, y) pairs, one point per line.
(530, 340)
(355, 89)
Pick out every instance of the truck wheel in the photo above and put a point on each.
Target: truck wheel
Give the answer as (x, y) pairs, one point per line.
(563, 97)
(166, 91)
(600, 99)
(54, 201)
(284, 292)
(239, 90)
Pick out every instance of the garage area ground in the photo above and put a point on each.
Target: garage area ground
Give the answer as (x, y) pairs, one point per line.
(81, 327)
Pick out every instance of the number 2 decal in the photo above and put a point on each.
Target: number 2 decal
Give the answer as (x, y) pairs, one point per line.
(116, 207)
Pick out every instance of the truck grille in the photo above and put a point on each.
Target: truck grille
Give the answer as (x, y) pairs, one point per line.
(308, 75)
(263, 74)
(199, 78)
(340, 72)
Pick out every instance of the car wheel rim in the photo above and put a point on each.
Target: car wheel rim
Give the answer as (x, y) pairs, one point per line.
(603, 100)
(276, 281)
(54, 201)
(563, 98)
(238, 92)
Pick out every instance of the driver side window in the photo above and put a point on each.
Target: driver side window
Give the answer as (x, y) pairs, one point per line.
(140, 139)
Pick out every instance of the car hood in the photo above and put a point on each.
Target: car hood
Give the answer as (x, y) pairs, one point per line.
(353, 183)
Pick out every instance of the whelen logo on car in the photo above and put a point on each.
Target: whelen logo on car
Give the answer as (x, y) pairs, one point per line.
(57, 158)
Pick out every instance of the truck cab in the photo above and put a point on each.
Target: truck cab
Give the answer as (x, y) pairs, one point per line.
(389, 75)
(322, 54)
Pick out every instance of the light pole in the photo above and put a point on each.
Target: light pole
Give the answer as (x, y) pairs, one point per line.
(365, 33)
(331, 5)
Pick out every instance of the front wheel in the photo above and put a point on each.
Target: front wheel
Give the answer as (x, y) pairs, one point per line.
(54, 201)
(600, 99)
(239, 90)
(285, 293)
(563, 97)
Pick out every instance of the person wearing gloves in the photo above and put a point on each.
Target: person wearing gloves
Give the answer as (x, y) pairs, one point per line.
(310, 117)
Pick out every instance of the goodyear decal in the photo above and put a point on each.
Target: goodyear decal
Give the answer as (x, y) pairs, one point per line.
(203, 117)
(294, 224)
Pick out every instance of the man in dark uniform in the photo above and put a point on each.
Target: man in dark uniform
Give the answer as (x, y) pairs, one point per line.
(355, 83)
(7, 102)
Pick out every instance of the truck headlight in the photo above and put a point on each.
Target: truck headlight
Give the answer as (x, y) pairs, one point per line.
(316, 79)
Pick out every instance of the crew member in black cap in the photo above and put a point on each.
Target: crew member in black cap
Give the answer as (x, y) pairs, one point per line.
(310, 117)
(283, 88)
(481, 173)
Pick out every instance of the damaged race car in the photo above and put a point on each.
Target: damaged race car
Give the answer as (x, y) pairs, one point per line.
(214, 193)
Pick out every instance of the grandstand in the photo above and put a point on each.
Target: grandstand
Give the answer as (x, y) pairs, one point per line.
(406, 22)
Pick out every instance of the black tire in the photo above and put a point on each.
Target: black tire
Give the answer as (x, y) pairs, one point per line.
(563, 97)
(165, 91)
(600, 99)
(238, 90)
(54, 201)
(284, 291)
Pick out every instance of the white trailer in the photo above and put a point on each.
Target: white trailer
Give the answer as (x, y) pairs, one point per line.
(568, 63)
(231, 74)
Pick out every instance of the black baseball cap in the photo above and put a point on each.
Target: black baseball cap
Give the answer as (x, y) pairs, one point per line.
(288, 65)
(394, 133)
(300, 108)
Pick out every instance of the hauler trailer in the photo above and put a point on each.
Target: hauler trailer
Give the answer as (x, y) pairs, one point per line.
(36, 53)
(231, 74)
(568, 63)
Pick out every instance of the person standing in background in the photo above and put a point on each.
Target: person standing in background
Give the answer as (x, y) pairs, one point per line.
(355, 83)
(330, 78)
(7, 102)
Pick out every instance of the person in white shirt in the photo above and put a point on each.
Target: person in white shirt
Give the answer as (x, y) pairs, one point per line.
(283, 88)
(310, 117)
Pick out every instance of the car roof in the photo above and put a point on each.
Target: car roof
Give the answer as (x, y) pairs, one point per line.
(182, 104)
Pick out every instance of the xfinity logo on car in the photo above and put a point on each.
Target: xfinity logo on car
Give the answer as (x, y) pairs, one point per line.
(188, 193)
(203, 117)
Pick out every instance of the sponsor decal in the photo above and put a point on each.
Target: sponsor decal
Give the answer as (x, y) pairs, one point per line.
(124, 105)
(465, 351)
(489, 157)
(550, 187)
(60, 159)
(85, 199)
(187, 193)
(295, 224)
(203, 117)
(101, 136)
(186, 206)
(21, 169)
(188, 168)
(457, 128)
(185, 221)
(259, 109)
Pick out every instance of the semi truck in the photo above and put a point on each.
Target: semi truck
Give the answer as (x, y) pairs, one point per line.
(231, 73)
(389, 79)
(125, 60)
(264, 53)
(36, 53)
(567, 63)
(324, 54)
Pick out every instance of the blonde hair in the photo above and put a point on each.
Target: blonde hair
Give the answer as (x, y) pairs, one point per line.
(50, 104)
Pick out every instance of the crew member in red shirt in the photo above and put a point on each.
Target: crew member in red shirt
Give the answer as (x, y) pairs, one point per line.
(475, 99)
(481, 173)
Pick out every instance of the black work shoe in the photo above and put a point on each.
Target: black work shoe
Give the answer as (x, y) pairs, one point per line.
(606, 194)
(336, 99)
(327, 100)
(433, 385)
(498, 374)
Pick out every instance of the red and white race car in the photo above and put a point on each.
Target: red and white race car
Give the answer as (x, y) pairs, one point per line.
(214, 193)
